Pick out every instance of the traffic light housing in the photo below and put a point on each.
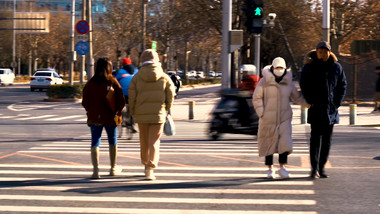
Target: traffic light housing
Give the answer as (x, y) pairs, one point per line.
(254, 16)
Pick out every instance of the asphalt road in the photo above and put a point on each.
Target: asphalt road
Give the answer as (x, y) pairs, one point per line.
(45, 166)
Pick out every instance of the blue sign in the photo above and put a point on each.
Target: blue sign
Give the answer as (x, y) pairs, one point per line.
(82, 48)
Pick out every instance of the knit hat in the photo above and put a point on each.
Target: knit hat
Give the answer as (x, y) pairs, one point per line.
(279, 62)
(324, 44)
(149, 55)
(126, 61)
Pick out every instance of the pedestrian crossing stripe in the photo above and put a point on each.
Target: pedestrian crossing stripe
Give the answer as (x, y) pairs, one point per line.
(86, 144)
(64, 118)
(120, 149)
(162, 153)
(157, 173)
(214, 168)
(100, 210)
(144, 199)
(131, 180)
(173, 190)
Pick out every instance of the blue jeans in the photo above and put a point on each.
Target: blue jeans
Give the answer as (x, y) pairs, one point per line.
(96, 133)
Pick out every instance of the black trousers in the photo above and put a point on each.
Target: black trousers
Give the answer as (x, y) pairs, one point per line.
(282, 158)
(320, 143)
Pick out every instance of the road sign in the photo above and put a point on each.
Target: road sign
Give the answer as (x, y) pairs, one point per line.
(82, 27)
(82, 47)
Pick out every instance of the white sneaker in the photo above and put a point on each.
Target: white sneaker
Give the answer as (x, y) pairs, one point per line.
(269, 174)
(283, 173)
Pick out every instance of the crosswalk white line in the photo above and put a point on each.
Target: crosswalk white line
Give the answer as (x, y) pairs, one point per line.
(100, 210)
(163, 153)
(159, 174)
(120, 149)
(64, 118)
(158, 199)
(86, 144)
(160, 181)
(171, 190)
(214, 168)
(35, 117)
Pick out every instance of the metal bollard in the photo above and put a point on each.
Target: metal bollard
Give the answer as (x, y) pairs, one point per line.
(303, 114)
(352, 114)
(191, 110)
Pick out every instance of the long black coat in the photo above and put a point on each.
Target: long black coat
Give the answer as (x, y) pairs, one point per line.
(323, 85)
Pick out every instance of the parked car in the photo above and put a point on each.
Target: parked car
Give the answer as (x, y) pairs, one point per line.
(211, 74)
(191, 74)
(6, 76)
(200, 75)
(43, 78)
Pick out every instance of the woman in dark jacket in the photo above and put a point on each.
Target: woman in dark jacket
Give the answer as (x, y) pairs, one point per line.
(323, 84)
(99, 113)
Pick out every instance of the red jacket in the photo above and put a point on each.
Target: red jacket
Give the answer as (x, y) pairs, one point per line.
(249, 83)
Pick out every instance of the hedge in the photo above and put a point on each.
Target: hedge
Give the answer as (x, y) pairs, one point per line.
(65, 91)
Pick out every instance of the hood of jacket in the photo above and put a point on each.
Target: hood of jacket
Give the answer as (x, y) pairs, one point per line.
(270, 78)
(151, 72)
(312, 56)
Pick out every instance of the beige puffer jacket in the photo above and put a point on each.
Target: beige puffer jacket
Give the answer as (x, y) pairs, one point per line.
(151, 94)
(272, 104)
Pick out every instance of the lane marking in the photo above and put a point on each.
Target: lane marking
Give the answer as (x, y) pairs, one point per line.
(131, 180)
(158, 200)
(64, 118)
(127, 145)
(199, 168)
(101, 210)
(35, 117)
(49, 159)
(163, 153)
(160, 174)
(120, 148)
(171, 190)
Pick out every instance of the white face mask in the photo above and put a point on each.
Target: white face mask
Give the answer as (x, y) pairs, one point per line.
(278, 71)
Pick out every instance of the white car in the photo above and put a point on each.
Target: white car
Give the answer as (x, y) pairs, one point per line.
(6, 76)
(43, 78)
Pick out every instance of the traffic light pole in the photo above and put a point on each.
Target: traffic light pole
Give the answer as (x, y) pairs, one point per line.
(257, 53)
(226, 56)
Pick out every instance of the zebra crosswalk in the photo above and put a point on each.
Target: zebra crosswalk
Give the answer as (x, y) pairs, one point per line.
(225, 181)
(46, 118)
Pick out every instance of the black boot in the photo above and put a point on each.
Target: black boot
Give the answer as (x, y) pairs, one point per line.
(322, 174)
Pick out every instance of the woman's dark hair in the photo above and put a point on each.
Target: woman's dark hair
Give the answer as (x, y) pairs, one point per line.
(103, 70)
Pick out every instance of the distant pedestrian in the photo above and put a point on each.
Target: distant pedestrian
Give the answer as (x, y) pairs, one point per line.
(176, 80)
(250, 79)
(99, 113)
(323, 84)
(377, 93)
(124, 76)
(151, 95)
(271, 100)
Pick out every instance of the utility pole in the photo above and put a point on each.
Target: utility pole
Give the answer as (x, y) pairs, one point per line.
(72, 56)
(83, 57)
(14, 37)
(90, 59)
(326, 21)
(226, 56)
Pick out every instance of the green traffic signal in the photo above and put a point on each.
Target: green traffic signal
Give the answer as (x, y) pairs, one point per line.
(258, 12)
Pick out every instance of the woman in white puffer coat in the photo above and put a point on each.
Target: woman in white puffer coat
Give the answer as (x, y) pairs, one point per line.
(271, 100)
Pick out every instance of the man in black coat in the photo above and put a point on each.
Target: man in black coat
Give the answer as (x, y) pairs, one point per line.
(323, 84)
